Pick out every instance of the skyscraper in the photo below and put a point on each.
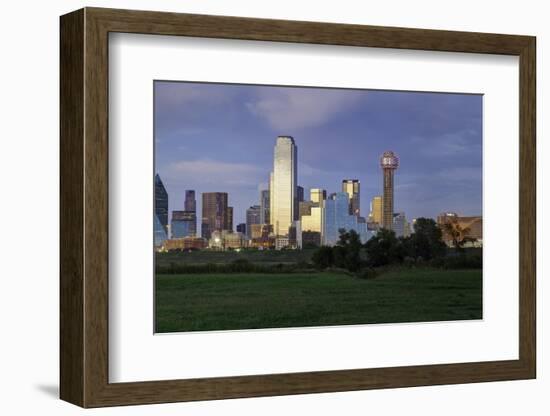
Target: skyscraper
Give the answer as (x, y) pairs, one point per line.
(241, 228)
(229, 219)
(337, 217)
(183, 224)
(161, 203)
(352, 188)
(400, 225)
(215, 213)
(190, 201)
(283, 185)
(264, 206)
(389, 162)
(376, 210)
(253, 215)
(317, 195)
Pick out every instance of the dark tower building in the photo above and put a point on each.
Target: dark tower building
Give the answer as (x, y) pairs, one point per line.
(253, 215)
(241, 228)
(215, 213)
(190, 201)
(229, 223)
(352, 188)
(264, 207)
(389, 162)
(161, 203)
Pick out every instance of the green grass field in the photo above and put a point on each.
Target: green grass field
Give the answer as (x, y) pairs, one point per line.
(246, 301)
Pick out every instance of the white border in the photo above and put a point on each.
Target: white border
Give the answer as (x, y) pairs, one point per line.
(135, 354)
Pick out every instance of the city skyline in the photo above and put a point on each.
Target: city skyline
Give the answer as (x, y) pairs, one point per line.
(195, 151)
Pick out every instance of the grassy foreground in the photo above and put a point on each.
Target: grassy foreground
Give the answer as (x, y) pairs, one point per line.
(245, 301)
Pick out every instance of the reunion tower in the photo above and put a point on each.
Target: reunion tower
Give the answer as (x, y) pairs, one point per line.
(389, 162)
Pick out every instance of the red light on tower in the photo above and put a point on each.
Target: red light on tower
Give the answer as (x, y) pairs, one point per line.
(389, 162)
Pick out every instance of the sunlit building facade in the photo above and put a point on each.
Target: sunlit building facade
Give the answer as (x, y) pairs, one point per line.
(317, 194)
(352, 188)
(283, 193)
(376, 211)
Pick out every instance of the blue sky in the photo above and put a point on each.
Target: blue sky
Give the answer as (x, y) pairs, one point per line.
(220, 137)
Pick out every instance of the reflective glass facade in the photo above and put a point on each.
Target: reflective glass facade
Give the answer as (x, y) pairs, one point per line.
(161, 203)
(183, 224)
(283, 185)
(337, 217)
(352, 188)
(160, 235)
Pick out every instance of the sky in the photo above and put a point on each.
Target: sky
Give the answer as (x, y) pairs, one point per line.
(220, 138)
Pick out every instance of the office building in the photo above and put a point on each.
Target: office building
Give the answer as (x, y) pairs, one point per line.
(352, 188)
(190, 201)
(337, 217)
(183, 224)
(229, 223)
(264, 206)
(304, 208)
(376, 212)
(185, 243)
(215, 213)
(401, 226)
(253, 217)
(317, 195)
(226, 240)
(161, 203)
(241, 228)
(389, 162)
(283, 194)
(160, 235)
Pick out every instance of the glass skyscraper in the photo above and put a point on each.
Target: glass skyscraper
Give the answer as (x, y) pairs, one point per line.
(183, 224)
(337, 217)
(283, 195)
(160, 235)
(161, 203)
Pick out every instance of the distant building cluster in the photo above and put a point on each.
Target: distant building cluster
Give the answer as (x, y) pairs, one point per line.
(283, 218)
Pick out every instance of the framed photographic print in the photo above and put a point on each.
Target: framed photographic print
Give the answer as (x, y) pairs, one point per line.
(255, 207)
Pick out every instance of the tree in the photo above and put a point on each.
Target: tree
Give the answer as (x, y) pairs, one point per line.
(347, 252)
(384, 248)
(323, 257)
(458, 234)
(426, 242)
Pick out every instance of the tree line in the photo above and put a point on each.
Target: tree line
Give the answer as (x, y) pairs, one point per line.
(424, 246)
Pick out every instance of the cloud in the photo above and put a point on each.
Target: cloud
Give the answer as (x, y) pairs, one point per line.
(290, 109)
(450, 144)
(207, 172)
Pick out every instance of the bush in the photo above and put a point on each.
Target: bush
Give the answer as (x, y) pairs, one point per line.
(323, 257)
(368, 273)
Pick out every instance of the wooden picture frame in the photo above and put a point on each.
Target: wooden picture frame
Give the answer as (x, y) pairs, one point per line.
(84, 207)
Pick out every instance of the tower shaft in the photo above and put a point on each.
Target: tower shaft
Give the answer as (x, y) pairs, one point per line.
(387, 204)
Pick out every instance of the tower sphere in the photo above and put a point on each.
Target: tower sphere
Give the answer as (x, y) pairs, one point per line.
(389, 160)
